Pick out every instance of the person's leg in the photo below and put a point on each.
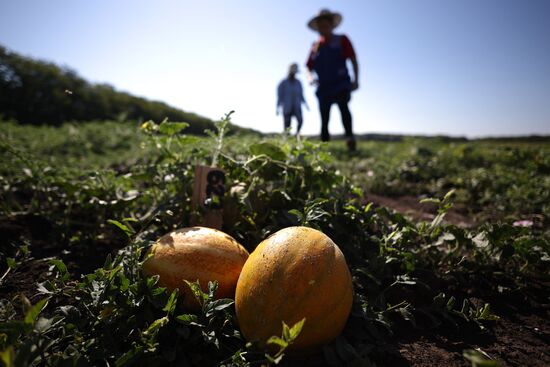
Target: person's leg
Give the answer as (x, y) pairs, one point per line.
(346, 114)
(299, 119)
(324, 108)
(347, 121)
(286, 120)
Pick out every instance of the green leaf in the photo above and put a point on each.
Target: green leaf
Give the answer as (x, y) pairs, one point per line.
(189, 140)
(298, 214)
(127, 230)
(296, 329)
(479, 359)
(486, 314)
(286, 332)
(195, 287)
(449, 195)
(268, 149)
(108, 264)
(437, 220)
(172, 128)
(156, 326)
(275, 340)
(218, 305)
(188, 319)
(212, 288)
(451, 303)
(172, 302)
(61, 268)
(130, 356)
(357, 191)
(7, 356)
(367, 207)
(34, 311)
(152, 281)
(25, 249)
(11, 262)
(430, 200)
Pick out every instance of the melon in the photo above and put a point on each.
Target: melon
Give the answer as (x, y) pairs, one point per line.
(196, 253)
(296, 273)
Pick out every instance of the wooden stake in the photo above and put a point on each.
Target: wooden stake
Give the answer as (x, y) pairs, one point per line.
(208, 193)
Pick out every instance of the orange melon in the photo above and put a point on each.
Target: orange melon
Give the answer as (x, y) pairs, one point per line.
(196, 253)
(296, 273)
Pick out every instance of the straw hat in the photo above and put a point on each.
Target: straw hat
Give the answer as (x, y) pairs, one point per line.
(325, 14)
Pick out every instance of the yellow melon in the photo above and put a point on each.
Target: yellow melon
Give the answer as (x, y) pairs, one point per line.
(196, 253)
(296, 273)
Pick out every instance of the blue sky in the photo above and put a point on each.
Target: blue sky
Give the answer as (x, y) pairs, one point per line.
(458, 67)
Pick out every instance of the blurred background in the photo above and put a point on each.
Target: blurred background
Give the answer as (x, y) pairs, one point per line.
(469, 68)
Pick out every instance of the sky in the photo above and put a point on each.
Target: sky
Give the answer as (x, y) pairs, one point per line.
(456, 67)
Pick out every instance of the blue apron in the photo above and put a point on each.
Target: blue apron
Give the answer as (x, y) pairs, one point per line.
(330, 66)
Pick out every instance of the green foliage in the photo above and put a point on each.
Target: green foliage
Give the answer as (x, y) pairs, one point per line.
(478, 358)
(127, 197)
(491, 179)
(290, 334)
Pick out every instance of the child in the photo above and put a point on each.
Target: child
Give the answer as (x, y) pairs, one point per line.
(327, 59)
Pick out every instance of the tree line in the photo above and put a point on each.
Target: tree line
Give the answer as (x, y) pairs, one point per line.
(38, 92)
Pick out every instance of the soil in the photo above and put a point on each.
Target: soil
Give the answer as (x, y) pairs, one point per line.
(520, 337)
(514, 340)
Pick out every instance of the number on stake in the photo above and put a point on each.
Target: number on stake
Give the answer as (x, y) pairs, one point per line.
(215, 187)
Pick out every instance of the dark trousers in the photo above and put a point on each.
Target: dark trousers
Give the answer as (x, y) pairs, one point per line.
(324, 106)
(287, 118)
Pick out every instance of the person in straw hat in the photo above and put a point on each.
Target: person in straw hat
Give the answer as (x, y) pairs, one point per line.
(290, 98)
(327, 60)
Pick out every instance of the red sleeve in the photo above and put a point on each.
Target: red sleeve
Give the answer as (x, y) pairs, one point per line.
(347, 48)
(309, 63)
